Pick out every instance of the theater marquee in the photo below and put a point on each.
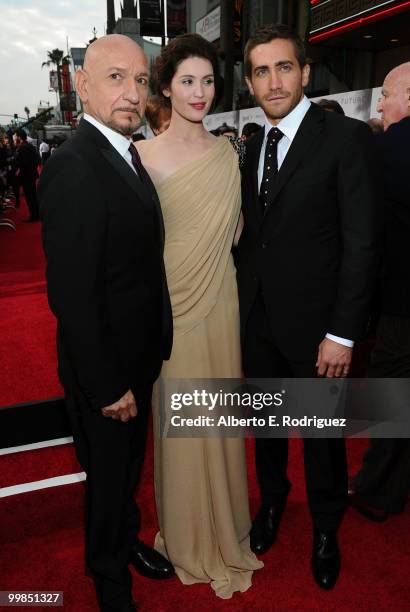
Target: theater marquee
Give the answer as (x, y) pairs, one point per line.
(332, 17)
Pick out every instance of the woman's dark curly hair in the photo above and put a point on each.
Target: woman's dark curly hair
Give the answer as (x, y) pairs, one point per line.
(177, 50)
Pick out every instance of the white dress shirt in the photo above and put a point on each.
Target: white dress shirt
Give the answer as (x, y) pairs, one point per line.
(44, 148)
(289, 125)
(119, 142)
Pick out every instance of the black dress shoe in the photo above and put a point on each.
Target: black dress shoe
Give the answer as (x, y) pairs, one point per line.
(325, 560)
(150, 563)
(265, 526)
(362, 505)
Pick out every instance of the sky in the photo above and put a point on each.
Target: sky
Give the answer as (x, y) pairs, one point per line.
(30, 28)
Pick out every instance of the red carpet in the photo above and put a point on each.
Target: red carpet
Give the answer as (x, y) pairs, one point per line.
(30, 466)
(41, 534)
(27, 327)
(41, 545)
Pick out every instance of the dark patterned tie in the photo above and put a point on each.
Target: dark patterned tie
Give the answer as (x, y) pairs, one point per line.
(136, 161)
(270, 168)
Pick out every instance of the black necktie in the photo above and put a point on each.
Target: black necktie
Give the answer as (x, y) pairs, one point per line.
(270, 168)
(136, 161)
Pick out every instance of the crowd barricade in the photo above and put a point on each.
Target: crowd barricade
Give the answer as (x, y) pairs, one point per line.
(7, 207)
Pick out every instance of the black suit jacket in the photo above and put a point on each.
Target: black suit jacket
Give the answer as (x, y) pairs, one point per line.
(27, 160)
(394, 155)
(103, 237)
(314, 253)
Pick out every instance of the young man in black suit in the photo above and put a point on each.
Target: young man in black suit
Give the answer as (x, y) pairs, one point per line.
(382, 485)
(306, 264)
(26, 161)
(103, 237)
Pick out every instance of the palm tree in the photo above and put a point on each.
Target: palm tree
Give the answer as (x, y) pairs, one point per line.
(56, 58)
(27, 111)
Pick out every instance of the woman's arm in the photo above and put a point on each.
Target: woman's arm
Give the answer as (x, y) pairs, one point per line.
(238, 231)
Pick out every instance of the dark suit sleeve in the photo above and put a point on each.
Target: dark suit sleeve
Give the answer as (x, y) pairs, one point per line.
(75, 224)
(20, 161)
(27, 160)
(360, 225)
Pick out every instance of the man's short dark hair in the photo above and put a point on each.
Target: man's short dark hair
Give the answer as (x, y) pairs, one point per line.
(21, 134)
(270, 32)
(331, 105)
(225, 128)
(177, 50)
(249, 129)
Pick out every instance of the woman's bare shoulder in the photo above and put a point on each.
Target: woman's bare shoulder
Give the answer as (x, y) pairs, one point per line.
(144, 145)
(146, 148)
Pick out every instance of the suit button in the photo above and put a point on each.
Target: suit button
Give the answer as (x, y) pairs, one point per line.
(264, 245)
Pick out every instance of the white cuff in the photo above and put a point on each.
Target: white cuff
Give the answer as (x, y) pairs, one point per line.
(343, 341)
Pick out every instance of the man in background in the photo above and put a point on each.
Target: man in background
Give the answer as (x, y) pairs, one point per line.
(381, 486)
(44, 151)
(26, 163)
(332, 106)
(249, 129)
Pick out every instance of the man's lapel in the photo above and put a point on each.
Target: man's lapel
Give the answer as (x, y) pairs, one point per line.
(151, 187)
(305, 139)
(142, 186)
(144, 189)
(114, 158)
(127, 173)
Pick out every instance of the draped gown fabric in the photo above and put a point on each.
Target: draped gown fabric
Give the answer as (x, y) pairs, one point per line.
(201, 483)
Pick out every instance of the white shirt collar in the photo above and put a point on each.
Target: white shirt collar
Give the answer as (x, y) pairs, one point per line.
(290, 124)
(118, 141)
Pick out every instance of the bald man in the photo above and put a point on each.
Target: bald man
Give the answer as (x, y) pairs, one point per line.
(103, 238)
(394, 103)
(381, 487)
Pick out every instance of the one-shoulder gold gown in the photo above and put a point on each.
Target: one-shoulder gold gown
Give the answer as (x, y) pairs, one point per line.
(201, 484)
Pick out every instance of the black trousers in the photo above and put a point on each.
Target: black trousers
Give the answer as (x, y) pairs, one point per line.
(384, 479)
(325, 459)
(15, 184)
(30, 193)
(111, 453)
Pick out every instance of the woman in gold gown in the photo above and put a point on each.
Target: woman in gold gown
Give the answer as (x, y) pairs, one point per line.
(200, 483)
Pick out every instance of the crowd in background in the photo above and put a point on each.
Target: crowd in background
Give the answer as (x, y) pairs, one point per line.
(20, 159)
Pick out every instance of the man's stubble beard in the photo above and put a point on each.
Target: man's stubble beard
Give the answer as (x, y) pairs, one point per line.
(125, 130)
(284, 114)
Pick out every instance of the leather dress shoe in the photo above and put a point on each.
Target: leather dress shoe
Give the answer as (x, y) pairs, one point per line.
(150, 563)
(359, 502)
(325, 562)
(265, 526)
